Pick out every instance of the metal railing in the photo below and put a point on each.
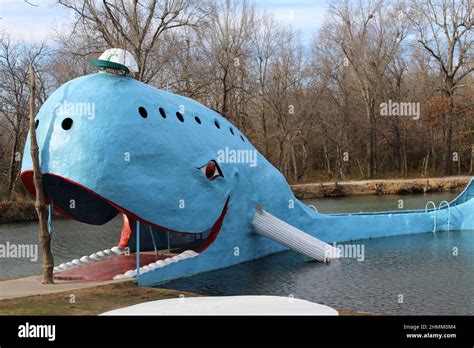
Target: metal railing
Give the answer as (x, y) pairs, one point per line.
(435, 213)
(449, 212)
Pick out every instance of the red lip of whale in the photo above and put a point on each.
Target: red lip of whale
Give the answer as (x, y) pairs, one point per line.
(27, 179)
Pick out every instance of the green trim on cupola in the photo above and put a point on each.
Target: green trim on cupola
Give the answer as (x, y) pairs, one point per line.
(110, 65)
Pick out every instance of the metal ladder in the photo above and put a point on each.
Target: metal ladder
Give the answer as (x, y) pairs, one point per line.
(449, 213)
(435, 211)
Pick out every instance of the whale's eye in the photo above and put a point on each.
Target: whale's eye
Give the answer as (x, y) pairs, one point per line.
(67, 123)
(211, 170)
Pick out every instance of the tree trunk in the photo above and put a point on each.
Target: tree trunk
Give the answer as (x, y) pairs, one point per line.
(294, 162)
(372, 141)
(47, 262)
(12, 172)
(448, 159)
(433, 147)
(264, 128)
(471, 167)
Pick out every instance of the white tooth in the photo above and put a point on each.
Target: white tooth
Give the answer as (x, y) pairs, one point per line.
(159, 263)
(130, 274)
(146, 268)
(70, 264)
(180, 257)
(190, 253)
(153, 266)
(119, 276)
(85, 259)
(116, 250)
(100, 254)
(56, 269)
(63, 265)
(94, 257)
(76, 262)
(107, 252)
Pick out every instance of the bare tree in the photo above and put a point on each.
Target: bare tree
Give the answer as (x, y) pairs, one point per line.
(15, 58)
(265, 50)
(370, 36)
(445, 30)
(136, 26)
(226, 45)
(47, 261)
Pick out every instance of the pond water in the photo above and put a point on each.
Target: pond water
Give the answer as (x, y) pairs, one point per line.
(356, 204)
(399, 275)
(415, 274)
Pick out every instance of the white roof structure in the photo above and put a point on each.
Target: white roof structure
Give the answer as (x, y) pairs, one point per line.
(118, 59)
(227, 305)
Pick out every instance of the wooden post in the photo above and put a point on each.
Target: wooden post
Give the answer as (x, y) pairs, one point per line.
(47, 262)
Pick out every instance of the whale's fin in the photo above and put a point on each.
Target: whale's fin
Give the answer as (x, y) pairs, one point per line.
(281, 232)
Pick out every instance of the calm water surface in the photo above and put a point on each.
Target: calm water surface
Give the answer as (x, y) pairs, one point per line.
(421, 269)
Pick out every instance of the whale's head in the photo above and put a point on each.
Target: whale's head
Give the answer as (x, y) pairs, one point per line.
(110, 144)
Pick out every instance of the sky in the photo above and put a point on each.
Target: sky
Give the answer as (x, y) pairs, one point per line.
(304, 15)
(34, 23)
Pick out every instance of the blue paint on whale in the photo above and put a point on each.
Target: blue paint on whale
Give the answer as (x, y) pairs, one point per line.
(148, 167)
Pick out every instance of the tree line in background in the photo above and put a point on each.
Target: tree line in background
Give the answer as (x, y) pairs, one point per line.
(383, 89)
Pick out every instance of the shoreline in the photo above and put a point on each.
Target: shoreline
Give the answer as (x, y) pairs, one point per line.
(380, 187)
(11, 211)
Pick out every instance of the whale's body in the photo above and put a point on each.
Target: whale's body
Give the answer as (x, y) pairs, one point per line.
(151, 169)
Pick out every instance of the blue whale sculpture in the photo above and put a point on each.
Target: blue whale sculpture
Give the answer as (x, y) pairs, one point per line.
(110, 144)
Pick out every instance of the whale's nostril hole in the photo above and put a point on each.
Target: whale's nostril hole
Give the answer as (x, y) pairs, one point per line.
(67, 123)
(180, 117)
(142, 112)
(216, 123)
(36, 124)
(198, 120)
(231, 130)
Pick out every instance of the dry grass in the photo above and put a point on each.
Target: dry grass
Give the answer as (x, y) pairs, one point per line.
(89, 301)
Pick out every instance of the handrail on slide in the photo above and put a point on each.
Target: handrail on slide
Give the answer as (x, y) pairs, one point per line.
(434, 210)
(449, 212)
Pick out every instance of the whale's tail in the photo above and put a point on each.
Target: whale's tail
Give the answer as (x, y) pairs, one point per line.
(267, 225)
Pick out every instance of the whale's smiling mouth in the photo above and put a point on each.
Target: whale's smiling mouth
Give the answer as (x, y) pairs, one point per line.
(82, 204)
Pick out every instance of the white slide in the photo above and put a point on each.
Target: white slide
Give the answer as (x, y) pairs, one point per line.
(267, 225)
